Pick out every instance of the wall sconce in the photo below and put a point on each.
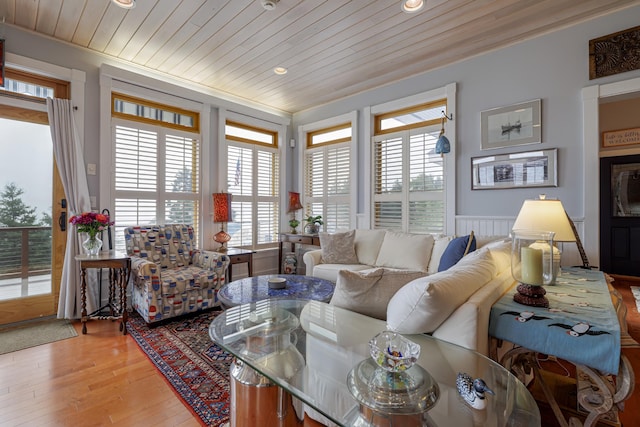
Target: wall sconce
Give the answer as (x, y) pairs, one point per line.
(294, 205)
(222, 214)
(443, 146)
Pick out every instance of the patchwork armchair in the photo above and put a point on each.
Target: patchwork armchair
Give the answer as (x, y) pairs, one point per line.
(170, 277)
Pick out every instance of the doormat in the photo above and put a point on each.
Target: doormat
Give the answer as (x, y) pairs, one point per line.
(30, 334)
(192, 364)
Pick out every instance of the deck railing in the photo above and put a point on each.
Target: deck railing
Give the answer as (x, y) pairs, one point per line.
(24, 252)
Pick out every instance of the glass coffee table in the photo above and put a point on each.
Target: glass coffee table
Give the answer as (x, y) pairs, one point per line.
(293, 359)
(252, 289)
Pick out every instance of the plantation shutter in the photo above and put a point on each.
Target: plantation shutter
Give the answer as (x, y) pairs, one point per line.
(136, 175)
(388, 160)
(409, 182)
(426, 185)
(253, 179)
(157, 178)
(327, 185)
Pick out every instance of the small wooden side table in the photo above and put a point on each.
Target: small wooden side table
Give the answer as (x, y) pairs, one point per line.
(293, 239)
(119, 265)
(239, 256)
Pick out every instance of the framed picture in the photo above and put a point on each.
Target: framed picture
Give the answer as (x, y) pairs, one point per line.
(513, 125)
(515, 170)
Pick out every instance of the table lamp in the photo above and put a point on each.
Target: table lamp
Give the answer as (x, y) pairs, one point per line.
(547, 219)
(222, 214)
(294, 205)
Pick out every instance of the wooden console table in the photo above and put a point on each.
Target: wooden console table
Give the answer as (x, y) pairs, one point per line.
(582, 327)
(119, 266)
(293, 239)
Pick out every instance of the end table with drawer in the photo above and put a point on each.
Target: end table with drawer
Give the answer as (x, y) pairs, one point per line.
(239, 256)
(293, 240)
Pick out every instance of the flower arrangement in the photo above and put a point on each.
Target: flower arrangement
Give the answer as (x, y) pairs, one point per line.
(90, 222)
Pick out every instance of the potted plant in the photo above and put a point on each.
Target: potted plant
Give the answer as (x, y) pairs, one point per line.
(313, 224)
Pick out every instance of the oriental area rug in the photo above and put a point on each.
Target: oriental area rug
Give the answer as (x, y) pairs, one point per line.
(194, 365)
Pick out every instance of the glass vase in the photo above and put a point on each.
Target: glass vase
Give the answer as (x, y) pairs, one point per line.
(532, 265)
(92, 245)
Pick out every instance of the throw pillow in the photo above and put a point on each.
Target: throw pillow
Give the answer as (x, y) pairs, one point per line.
(423, 304)
(338, 248)
(405, 250)
(368, 292)
(457, 248)
(368, 244)
(439, 246)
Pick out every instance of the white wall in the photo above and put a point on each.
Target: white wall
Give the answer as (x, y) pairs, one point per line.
(553, 67)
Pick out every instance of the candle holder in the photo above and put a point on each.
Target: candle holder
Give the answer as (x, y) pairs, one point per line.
(532, 265)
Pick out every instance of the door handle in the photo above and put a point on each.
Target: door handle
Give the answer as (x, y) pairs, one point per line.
(62, 220)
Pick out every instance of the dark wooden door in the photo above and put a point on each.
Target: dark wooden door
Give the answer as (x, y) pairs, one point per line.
(620, 215)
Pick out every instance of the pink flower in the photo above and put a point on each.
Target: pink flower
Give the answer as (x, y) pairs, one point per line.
(90, 222)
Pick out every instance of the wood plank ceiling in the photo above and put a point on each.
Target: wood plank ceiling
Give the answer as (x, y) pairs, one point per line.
(331, 48)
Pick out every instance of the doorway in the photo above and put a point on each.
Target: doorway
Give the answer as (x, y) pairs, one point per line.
(32, 230)
(620, 215)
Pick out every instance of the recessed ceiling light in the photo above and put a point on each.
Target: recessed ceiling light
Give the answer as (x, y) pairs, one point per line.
(125, 4)
(280, 70)
(411, 6)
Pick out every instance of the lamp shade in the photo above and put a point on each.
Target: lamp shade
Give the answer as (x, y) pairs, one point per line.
(221, 207)
(294, 202)
(545, 215)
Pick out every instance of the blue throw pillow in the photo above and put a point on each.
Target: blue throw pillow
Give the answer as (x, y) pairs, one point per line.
(456, 249)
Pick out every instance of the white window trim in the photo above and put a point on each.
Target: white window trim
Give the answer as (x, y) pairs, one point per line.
(303, 130)
(447, 92)
(223, 116)
(109, 84)
(158, 88)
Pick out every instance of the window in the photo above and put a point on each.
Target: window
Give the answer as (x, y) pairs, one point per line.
(157, 174)
(327, 186)
(253, 179)
(32, 87)
(408, 184)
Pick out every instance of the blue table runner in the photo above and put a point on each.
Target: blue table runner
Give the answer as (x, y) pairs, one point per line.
(580, 325)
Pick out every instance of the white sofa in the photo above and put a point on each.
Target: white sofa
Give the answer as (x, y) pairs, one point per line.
(451, 305)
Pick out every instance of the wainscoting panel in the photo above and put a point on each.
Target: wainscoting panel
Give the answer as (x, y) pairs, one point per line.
(501, 226)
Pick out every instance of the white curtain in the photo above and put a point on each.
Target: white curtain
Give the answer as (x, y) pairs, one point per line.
(68, 154)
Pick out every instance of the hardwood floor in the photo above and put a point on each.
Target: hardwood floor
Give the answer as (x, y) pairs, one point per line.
(104, 379)
(98, 379)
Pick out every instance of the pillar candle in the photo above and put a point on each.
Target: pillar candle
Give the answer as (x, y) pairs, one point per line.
(531, 266)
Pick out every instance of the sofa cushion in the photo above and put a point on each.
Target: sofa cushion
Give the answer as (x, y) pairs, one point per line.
(456, 249)
(407, 251)
(330, 271)
(500, 251)
(367, 243)
(338, 248)
(368, 292)
(439, 246)
(423, 304)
